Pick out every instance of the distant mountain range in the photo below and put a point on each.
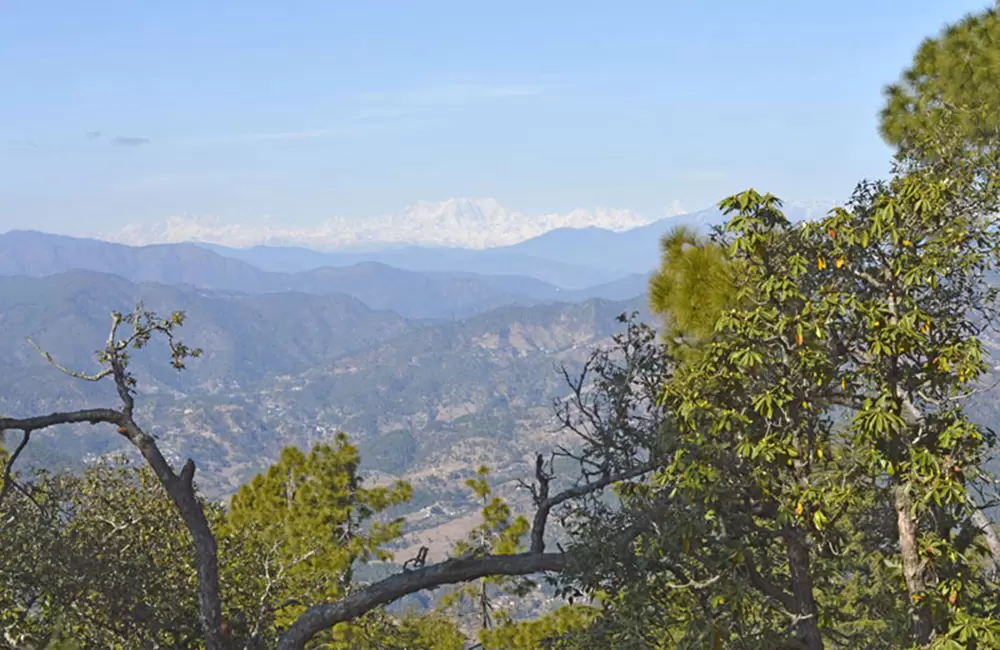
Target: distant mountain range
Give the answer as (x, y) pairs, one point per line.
(590, 260)
(423, 399)
(244, 336)
(489, 261)
(469, 223)
(432, 370)
(428, 294)
(573, 258)
(433, 359)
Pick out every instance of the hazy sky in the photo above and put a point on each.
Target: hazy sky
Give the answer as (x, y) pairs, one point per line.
(129, 112)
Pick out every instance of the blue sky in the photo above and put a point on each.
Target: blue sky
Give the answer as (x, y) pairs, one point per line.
(130, 112)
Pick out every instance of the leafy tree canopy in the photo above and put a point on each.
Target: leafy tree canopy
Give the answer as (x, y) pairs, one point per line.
(954, 76)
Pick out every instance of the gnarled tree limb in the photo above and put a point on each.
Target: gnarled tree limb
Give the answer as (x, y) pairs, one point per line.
(545, 503)
(322, 617)
(179, 487)
(8, 477)
(455, 570)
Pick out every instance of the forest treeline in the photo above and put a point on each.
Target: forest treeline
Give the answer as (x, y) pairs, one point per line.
(790, 463)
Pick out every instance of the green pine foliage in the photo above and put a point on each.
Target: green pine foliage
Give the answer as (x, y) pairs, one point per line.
(298, 531)
(102, 560)
(499, 533)
(690, 289)
(954, 76)
(543, 632)
(802, 470)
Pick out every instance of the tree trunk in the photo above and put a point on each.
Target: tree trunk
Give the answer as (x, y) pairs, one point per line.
(206, 555)
(802, 590)
(207, 562)
(913, 568)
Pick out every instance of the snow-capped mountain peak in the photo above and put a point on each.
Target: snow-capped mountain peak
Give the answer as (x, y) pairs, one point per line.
(458, 222)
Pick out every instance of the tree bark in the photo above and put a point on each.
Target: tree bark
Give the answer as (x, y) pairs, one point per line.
(802, 591)
(913, 567)
(206, 554)
(322, 617)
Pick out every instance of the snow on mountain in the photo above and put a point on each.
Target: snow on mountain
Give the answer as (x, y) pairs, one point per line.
(459, 223)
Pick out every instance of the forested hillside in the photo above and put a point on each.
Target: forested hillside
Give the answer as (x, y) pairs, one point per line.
(786, 444)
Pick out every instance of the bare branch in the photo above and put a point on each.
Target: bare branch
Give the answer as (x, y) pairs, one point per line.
(88, 416)
(546, 503)
(179, 487)
(8, 478)
(456, 570)
(72, 373)
(694, 584)
(607, 461)
(322, 617)
(982, 522)
(965, 394)
(187, 474)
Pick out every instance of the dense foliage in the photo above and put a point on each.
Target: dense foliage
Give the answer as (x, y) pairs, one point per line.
(955, 77)
(823, 473)
(102, 560)
(791, 463)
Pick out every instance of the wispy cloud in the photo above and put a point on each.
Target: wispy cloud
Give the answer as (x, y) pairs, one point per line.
(118, 140)
(265, 136)
(331, 132)
(453, 94)
(171, 180)
(129, 141)
(377, 109)
(466, 93)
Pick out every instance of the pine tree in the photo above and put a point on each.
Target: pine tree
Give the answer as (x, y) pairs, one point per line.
(954, 76)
